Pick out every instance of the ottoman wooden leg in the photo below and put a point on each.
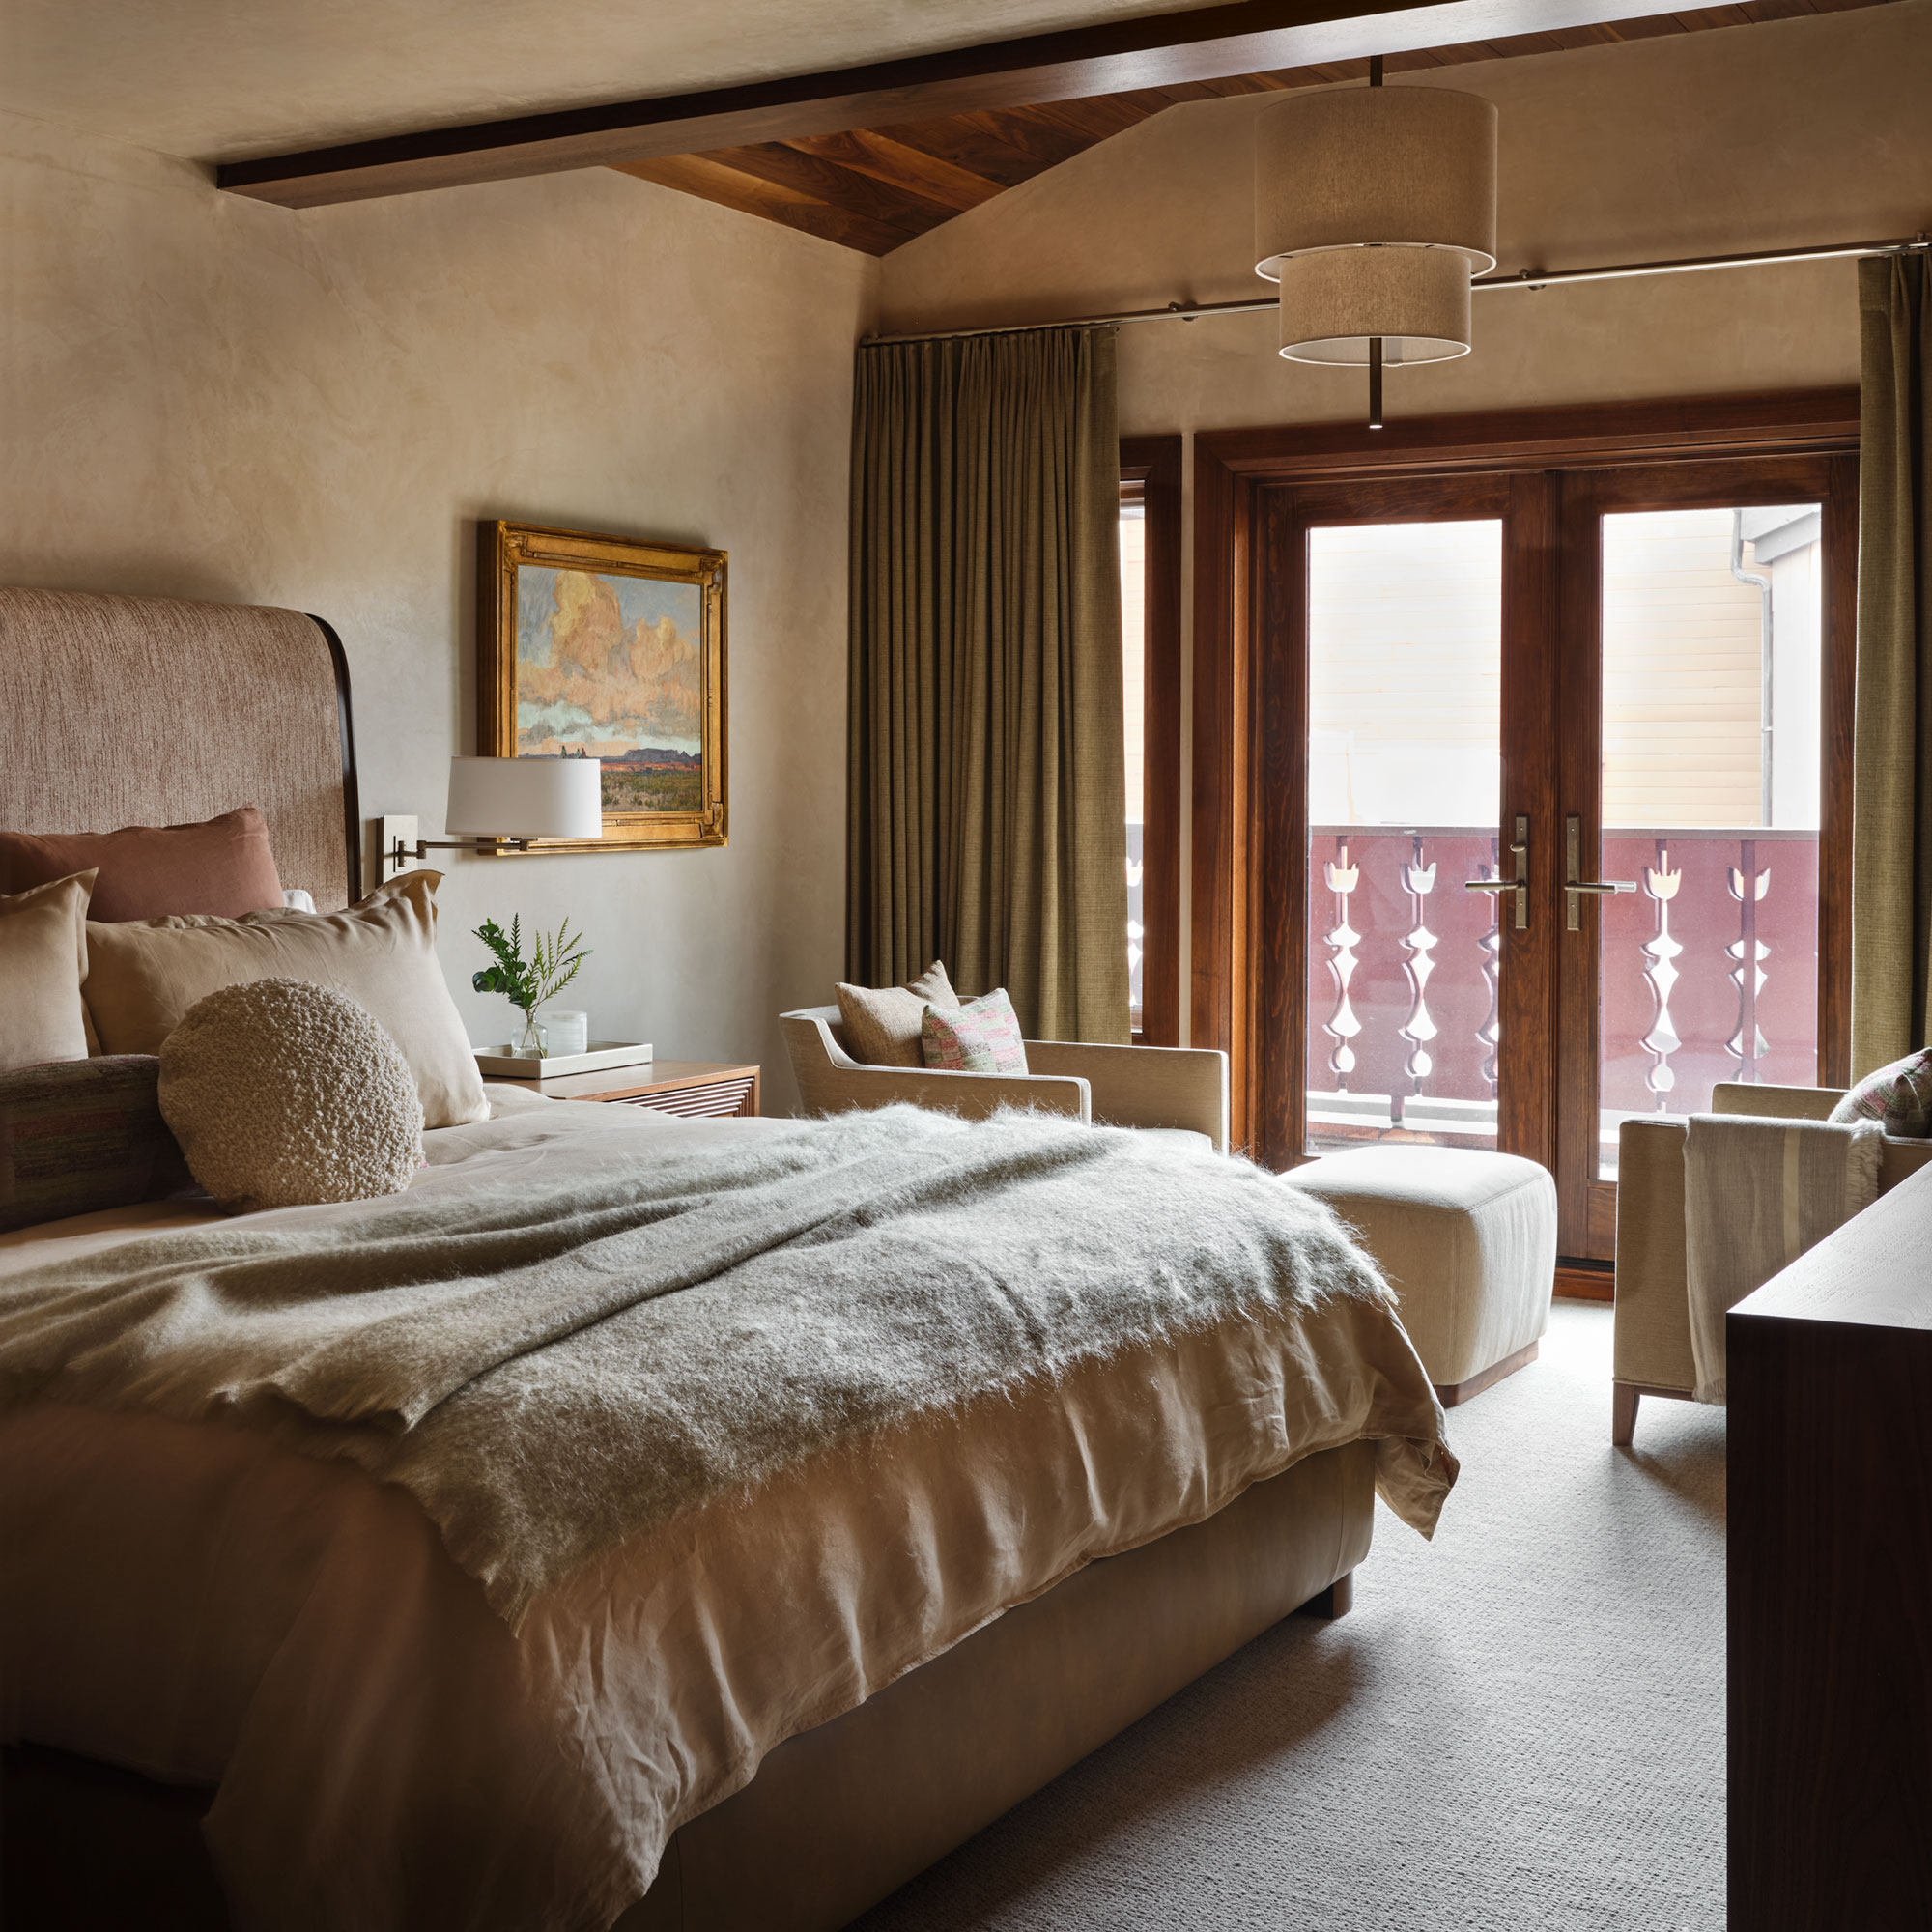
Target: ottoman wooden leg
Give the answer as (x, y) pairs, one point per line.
(1450, 1394)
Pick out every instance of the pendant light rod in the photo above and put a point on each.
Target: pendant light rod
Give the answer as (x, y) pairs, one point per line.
(1524, 278)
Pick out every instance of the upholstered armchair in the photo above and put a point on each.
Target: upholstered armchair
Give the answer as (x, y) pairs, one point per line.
(1172, 1088)
(1653, 1308)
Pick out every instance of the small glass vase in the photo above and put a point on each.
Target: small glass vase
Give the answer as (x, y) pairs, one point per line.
(531, 1041)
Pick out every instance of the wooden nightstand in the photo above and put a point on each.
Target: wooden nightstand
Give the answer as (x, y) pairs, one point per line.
(697, 1088)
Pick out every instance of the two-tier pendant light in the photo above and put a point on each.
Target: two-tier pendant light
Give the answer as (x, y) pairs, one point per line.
(1373, 209)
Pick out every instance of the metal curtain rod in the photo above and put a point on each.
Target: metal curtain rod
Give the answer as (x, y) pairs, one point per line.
(1523, 278)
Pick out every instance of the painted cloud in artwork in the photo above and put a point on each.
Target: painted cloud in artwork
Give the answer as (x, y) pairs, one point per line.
(606, 665)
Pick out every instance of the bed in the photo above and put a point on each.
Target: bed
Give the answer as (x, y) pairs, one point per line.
(778, 1696)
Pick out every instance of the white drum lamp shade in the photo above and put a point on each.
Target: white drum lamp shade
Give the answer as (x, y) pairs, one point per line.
(525, 798)
(1373, 207)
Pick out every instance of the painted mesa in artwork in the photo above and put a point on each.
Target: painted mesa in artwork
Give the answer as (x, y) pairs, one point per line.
(609, 667)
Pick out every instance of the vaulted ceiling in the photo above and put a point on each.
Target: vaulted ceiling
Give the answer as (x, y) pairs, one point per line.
(873, 188)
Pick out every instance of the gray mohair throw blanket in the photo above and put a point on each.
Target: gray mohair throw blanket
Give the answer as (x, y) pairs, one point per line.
(552, 1362)
(1758, 1192)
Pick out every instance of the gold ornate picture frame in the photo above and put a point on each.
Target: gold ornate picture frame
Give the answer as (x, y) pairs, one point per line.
(606, 647)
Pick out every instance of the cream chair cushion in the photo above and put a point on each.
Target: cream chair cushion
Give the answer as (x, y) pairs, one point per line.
(1467, 1241)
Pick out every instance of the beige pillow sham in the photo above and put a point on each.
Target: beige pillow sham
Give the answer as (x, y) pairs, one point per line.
(144, 975)
(42, 961)
(882, 1022)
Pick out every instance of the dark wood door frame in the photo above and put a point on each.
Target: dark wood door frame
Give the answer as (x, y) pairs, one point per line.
(1235, 473)
(1152, 464)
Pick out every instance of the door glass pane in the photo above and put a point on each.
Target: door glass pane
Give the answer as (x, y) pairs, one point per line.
(1134, 659)
(1403, 787)
(1708, 970)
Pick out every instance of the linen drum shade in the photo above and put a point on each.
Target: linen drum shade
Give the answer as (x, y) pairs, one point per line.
(1419, 296)
(1373, 209)
(1392, 166)
(525, 798)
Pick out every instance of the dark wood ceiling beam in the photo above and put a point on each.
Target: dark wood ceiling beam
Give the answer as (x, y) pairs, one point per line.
(966, 143)
(1046, 143)
(729, 187)
(1204, 45)
(836, 186)
(865, 150)
(1099, 120)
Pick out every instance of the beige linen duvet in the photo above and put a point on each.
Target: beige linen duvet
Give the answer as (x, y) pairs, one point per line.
(208, 1585)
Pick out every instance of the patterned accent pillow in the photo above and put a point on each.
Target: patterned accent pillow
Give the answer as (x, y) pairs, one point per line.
(79, 1135)
(981, 1035)
(1898, 1097)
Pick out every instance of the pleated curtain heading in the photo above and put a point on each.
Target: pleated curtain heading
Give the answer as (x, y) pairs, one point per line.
(1891, 806)
(986, 809)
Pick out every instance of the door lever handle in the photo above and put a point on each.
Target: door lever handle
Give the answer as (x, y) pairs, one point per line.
(1575, 887)
(1520, 885)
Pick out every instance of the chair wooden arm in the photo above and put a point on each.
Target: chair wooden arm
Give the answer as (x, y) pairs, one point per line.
(1145, 1086)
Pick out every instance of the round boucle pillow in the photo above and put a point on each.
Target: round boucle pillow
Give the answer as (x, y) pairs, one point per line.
(284, 1093)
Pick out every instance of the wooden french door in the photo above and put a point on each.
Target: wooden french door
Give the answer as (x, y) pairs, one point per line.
(1406, 753)
(1705, 722)
(1482, 700)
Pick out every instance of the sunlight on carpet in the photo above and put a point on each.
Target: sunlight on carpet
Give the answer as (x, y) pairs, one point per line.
(1521, 1725)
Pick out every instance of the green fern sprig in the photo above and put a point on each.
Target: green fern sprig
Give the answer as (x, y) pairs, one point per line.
(556, 960)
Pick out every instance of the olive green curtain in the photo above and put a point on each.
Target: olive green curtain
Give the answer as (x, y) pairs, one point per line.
(1891, 809)
(987, 801)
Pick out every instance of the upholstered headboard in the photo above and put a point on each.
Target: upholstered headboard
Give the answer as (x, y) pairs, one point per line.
(154, 711)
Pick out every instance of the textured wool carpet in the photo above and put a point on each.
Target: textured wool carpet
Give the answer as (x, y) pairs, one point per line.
(1519, 1725)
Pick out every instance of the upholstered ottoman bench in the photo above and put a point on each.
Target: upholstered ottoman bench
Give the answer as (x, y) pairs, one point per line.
(1467, 1241)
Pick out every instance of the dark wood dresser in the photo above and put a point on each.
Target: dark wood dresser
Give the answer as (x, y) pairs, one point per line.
(1831, 1583)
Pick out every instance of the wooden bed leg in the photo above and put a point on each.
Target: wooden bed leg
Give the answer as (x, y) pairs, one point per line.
(1336, 1600)
(1623, 1413)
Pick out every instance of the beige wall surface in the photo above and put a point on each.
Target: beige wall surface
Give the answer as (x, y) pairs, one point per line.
(1786, 135)
(204, 397)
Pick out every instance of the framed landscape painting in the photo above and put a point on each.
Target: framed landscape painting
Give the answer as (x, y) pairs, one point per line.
(612, 649)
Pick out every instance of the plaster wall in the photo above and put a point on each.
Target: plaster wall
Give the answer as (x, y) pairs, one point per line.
(204, 397)
(1779, 135)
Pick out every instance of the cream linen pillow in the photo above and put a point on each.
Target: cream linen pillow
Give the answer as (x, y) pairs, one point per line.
(42, 961)
(882, 1022)
(144, 975)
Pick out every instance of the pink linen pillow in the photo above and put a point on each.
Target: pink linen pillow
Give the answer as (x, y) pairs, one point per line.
(221, 867)
(981, 1036)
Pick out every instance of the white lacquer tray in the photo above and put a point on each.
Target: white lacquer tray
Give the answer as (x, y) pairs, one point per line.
(499, 1062)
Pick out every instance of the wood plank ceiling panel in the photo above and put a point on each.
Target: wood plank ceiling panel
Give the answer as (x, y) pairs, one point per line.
(875, 188)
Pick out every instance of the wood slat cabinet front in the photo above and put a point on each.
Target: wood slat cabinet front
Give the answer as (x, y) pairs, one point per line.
(696, 1088)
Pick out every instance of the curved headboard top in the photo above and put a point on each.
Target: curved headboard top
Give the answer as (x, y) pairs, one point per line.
(155, 711)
